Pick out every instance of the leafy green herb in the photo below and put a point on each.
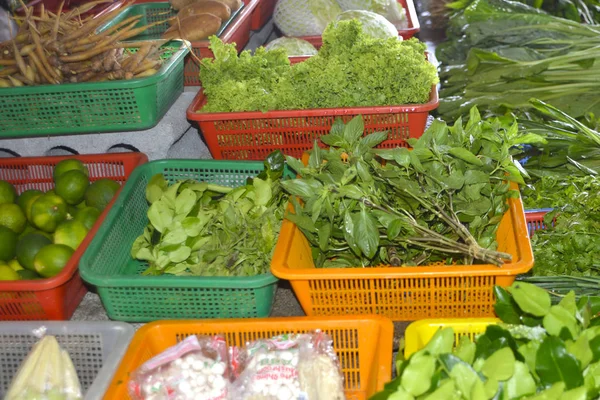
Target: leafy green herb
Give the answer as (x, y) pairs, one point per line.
(351, 69)
(511, 361)
(442, 201)
(204, 229)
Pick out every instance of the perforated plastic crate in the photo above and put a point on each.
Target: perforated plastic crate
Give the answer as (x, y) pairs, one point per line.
(56, 298)
(96, 349)
(129, 296)
(535, 219)
(363, 345)
(93, 107)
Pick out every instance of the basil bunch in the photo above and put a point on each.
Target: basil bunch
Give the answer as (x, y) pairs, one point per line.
(442, 201)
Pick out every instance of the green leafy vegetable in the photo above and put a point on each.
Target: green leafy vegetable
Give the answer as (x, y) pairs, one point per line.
(204, 229)
(350, 69)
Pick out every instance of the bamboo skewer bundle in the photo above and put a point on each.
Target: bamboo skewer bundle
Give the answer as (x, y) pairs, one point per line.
(62, 48)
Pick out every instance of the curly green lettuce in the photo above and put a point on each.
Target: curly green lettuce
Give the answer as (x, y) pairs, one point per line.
(351, 69)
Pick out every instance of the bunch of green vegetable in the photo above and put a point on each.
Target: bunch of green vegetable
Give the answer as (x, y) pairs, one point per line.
(351, 69)
(502, 53)
(205, 229)
(570, 194)
(539, 351)
(570, 147)
(442, 201)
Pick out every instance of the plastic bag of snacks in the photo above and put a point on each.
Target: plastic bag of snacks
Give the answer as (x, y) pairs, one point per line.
(46, 373)
(288, 367)
(195, 368)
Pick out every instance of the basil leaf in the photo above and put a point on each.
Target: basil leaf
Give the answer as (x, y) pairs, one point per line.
(354, 129)
(366, 234)
(465, 155)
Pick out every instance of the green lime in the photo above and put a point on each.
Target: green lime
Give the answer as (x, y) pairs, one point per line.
(12, 217)
(71, 186)
(28, 246)
(69, 165)
(26, 199)
(27, 275)
(70, 233)
(51, 259)
(100, 193)
(48, 211)
(87, 216)
(8, 194)
(8, 242)
(14, 264)
(7, 273)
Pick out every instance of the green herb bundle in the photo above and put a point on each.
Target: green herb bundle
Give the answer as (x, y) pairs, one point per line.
(502, 53)
(442, 201)
(203, 229)
(538, 352)
(351, 69)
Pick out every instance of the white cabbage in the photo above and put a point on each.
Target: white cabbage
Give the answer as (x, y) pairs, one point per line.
(294, 46)
(372, 24)
(390, 9)
(304, 17)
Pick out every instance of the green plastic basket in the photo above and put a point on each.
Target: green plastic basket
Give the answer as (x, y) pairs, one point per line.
(155, 12)
(93, 107)
(129, 296)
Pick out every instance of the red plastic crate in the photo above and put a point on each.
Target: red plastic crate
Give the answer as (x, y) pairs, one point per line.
(264, 11)
(53, 5)
(56, 298)
(254, 135)
(411, 16)
(535, 220)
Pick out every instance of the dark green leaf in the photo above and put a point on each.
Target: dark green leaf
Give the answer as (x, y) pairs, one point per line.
(324, 233)
(555, 364)
(366, 234)
(465, 155)
(333, 140)
(595, 347)
(373, 139)
(354, 129)
(475, 176)
(300, 188)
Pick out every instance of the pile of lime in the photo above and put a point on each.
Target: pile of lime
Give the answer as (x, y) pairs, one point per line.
(39, 232)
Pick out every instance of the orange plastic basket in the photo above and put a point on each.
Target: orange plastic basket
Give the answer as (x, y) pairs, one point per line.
(411, 15)
(363, 345)
(403, 293)
(56, 298)
(254, 135)
(264, 11)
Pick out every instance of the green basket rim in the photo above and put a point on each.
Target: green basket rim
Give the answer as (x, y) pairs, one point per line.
(121, 84)
(167, 5)
(218, 282)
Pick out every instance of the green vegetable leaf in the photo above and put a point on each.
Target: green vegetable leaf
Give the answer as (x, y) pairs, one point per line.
(354, 129)
(175, 236)
(180, 255)
(366, 234)
(500, 365)
(300, 188)
(465, 155)
(263, 192)
(191, 226)
(156, 188)
(160, 215)
(185, 201)
(554, 364)
(441, 342)
(521, 383)
(416, 378)
(373, 139)
(531, 298)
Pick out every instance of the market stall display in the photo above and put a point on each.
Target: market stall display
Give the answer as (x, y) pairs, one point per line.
(362, 344)
(58, 296)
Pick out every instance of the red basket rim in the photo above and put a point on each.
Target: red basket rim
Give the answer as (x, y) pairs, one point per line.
(200, 100)
(71, 268)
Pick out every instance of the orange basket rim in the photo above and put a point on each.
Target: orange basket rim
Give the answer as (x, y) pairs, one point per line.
(524, 264)
(72, 265)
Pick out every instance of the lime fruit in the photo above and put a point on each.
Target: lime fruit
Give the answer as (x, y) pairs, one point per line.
(87, 216)
(26, 199)
(8, 242)
(14, 264)
(70, 233)
(7, 273)
(100, 193)
(26, 275)
(8, 194)
(12, 217)
(69, 165)
(71, 186)
(51, 259)
(48, 211)
(27, 248)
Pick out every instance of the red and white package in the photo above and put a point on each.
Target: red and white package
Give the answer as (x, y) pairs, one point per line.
(195, 368)
(287, 367)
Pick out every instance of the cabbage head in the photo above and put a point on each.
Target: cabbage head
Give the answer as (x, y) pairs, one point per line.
(304, 17)
(373, 24)
(392, 10)
(293, 46)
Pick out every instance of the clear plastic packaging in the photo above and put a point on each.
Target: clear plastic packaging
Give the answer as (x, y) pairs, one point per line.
(195, 368)
(288, 367)
(46, 373)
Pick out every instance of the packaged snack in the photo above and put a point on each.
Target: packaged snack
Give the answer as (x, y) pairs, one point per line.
(195, 368)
